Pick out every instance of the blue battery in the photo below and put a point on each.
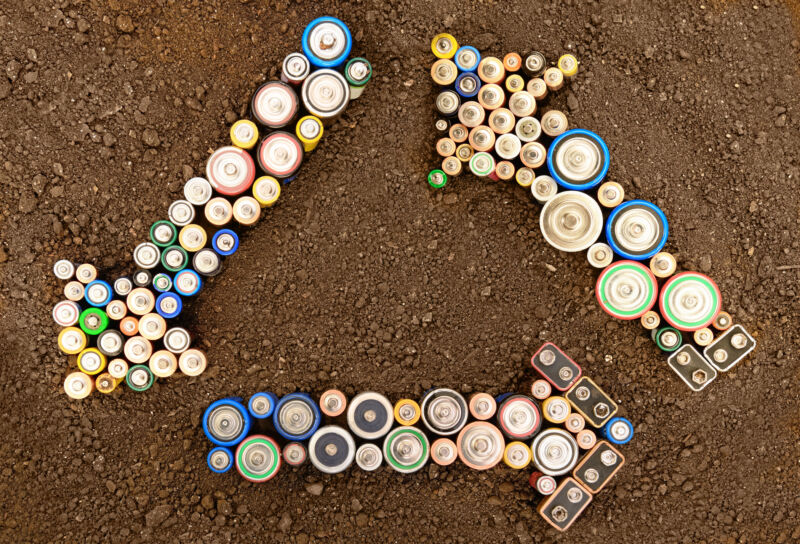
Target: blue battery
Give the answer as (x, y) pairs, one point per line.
(220, 460)
(585, 184)
(198, 282)
(99, 303)
(215, 244)
(218, 415)
(177, 303)
(627, 207)
(618, 430)
(262, 404)
(313, 408)
(457, 58)
(467, 85)
(313, 35)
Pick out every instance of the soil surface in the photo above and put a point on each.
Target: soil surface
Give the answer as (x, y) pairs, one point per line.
(363, 278)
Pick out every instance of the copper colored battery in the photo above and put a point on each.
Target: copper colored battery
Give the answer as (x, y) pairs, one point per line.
(152, 326)
(703, 337)
(502, 121)
(443, 452)
(575, 423)
(445, 147)
(723, 321)
(553, 78)
(522, 104)
(505, 170)
(586, 439)
(512, 62)
(218, 211)
(141, 301)
(163, 363)
(541, 389)
(537, 87)
(610, 194)
(651, 320)
(554, 123)
(74, 291)
(491, 96)
(482, 406)
(459, 133)
(533, 154)
(451, 166)
(481, 138)
(332, 402)
(246, 211)
(138, 349)
(129, 325)
(491, 70)
(444, 72)
(663, 264)
(464, 152)
(86, 273)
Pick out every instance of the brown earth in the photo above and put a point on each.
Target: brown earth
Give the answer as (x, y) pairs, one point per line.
(363, 278)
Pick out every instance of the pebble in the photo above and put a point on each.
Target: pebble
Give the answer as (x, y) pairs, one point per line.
(315, 489)
(158, 515)
(150, 138)
(124, 23)
(285, 523)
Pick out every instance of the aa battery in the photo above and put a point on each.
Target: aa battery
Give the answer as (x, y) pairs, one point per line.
(86, 273)
(74, 291)
(163, 233)
(296, 417)
(482, 406)
(575, 423)
(537, 87)
(139, 378)
(207, 262)
(406, 412)
(441, 125)
(146, 255)
(528, 129)
(198, 191)
(480, 445)
(91, 361)
(192, 362)
(244, 134)
(502, 121)
(225, 242)
(553, 78)
(325, 94)
(309, 131)
(723, 321)
(637, 230)
(66, 313)
(168, 305)
(598, 466)
(138, 349)
(458, 133)
(586, 438)
(729, 348)
(554, 123)
(220, 460)
(163, 363)
(541, 389)
(533, 154)
(491, 70)
(689, 301)
(370, 415)
(93, 321)
(567, 502)
(518, 417)
(591, 402)
(64, 270)
(517, 455)
(174, 258)
(512, 62)
(445, 147)
(327, 42)
(118, 368)
(491, 96)
(358, 73)
(534, 64)
(444, 411)
(703, 337)
(129, 325)
(105, 383)
(464, 152)
(295, 68)
(369, 457)
(467, 58)
(448, 103)
(262, 405)
(663, 264)
(691, 367)
(482, 164)
(650, 320)
(266, 191)
(226, 422)
(600, 255)
(481, 138)
(555, 410)
(444, 452)
(543, 484)
(187, 282)
(192, 238)
(471, 114)
(467, 85)
(522, 103)
(571, 221)
(230, 171)
(332, 449)
(110, 342)
(258, 458)
(274, 105)
(626, 290)
(406, 449)
(142, 278)
(610, 194)
(504, 171)
(437, 179)
(152, 326)
(578, 159)
(78, 385)
(280, 155)
(123, 286)
(333, 403)
(514, 83)
(451, 166)
(543, 188)
(177, 340)
(618, 431)
(246, 211)
(555, 452)
(525, 176)
(141, 301)
(444, 72)
(181, 212)
(568, 65)
(295, 454)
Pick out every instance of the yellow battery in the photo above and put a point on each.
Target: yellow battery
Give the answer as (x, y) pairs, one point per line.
(444, 72)
(464, 152)
(568, 65)
(515, 83)
(406, 412)
(244, 134)
(555, 409)
(525, 177)
(517, 455)
(444, 46)
(71, 340)
(309, 131)
(703, 337)
(266, 190)
(106, 383)
(192, 238)
(91, 361)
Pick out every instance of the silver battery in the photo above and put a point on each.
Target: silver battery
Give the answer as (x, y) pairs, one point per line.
(296, 417)
(543, 188)
(225, 423)
(146, 255)
(555, 452)
(110, 342)
(142, 278)
(123, 286)
(369, 457)
(66, 313)
(621, 432)
(370, 415)
(447, 103)
(522, 104)
(325, 94)
(571, 221)
(181, 213)
(64, 269)
(444, 411)
(295, 68)
(406, 449)
(480, 445)
(507, 146)
(198, 191)
(206, 262)
(331, 449)
(177, 339)
(528, 129)
(600, 255)
(471, 114)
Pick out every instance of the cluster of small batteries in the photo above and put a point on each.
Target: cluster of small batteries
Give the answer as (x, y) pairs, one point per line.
(562, 416)
(124, 330)
(488, 111)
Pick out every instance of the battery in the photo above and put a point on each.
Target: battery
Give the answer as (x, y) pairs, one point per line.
(553, 78)
(514, 83)
(723, 321)
(591, 402)
(110, 342)
(471, 114)
(703, 337)
(502, 121)
(358, 73)
(610, 194)
(141, 278)
(480, 445)
(220, 460)
(491, 70)
(123, 286)
(458, 133)
(444, 411)
(482, 406)
(537, 87)
(481, 138)
(406, 412)
(464, 152)
(66, 313)
(534, 64)
(650, 320)
(555, 452)
(406, 449)
(598, 466)
(187, 282)
(512, 62)
(575, 423)
(518, 417)
(129, 325)
(543, 188)
(207, 262)
(568, 65)
(163, 363)
(177, 339)
(445, 147)
(626, 290)
(517, 455)
(448, 103)
(230, 171)
(262, 405)
(729, 348)
(504, 171)
(663, 264)
(163, 233)
(481, 164)
(556, 367)
(442, 125)
(93, 321)
(174, 258)
(332, 449)
(266, 191)
(181, 212)
(225, 242)
(152, 326)
(570, 221)
(689, 301)
(586, 438)
(522, 104)
(64, 270)
(78, 385)
(554, 123)
(533, 154)
(91, 361)
(555, 410)
(258, 458)
(524, 177)
(139, 378)
(192, 362)
(333, 403)
(244, 134)
(437, 179)
(541, 389)
(566, 504)
(192, 238)
(543, 484)
(141, 301)
(246, 211)
(451, 166)
(618, 431)
(295, 68)
(146, 255)
(309, 131)
(491, 96)
(325, 94)
(138, 349)
(118, 368)
(467, 85)
(600, 255)
(280, 155)
(274, 105)
(691, 367)
(295, 454)
(578, 159)
(226, 422)
(444, 452)
(106, 383)
(369, 457)
(370, 415)
(467, 58)
(444, 72)
(637, 230)
(327, 42)
(197, 191)
(86, 273)
(168, 305)
(296, 417)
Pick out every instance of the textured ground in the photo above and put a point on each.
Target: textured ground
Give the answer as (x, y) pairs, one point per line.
(363, 278)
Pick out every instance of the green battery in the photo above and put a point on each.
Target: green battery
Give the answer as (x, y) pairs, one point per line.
(437, 179)
(139, 378)
(174, 258)
(358, 72)
(163, 233)
(667, 338)
(93, 321)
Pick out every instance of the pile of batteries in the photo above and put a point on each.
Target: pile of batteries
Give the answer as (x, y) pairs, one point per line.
(581, 211)
(125, 331)
(543, 429)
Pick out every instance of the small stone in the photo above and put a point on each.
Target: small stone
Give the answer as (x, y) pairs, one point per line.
(315, 489)
(224, 507)
(158, 515)
(109, 140)
(705, 263)
(5, 89)
(207, 502)
(27, 202)
(285, 523)
(649, 52)
(150, 138)
(124, 23)
(355, 506)
(572, 102)
(450, 198)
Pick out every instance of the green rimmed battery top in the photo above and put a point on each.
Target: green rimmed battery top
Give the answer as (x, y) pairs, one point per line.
(163, 233)
(139, 378)
(437, 179)
(174, 258)
(93, 321)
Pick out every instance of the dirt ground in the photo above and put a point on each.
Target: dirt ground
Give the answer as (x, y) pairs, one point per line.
(363, 278)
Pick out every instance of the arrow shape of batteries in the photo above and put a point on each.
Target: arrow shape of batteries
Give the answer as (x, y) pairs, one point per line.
(495, 122)
(128, 329)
